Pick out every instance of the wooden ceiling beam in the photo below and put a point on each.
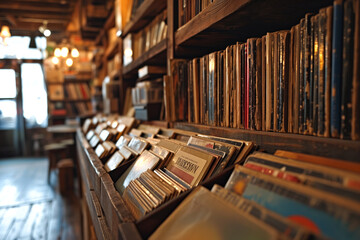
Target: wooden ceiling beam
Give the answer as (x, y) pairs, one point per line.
(14, 8)
(35, 26)
(62, 2)
(11, 20)
(36, 15)
(41, 20)
(40, 4)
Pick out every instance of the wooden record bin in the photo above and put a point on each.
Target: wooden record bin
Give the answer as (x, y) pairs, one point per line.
(110, 216)
(220, 24)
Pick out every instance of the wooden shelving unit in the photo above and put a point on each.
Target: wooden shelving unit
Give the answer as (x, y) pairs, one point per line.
(155, 56)
(272, 141)
(110, 22)
(225, 22)
(69, 102)
(143, 15)
(222, 23)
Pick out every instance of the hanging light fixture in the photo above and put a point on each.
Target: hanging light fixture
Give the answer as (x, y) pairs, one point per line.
(44, 29)
(32, 42)
(5, 34)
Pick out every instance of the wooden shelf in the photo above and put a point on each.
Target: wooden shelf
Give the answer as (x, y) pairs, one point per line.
(224, 22)
(57, 116)
(110, 22)
(77, 80)
(155, 56)
(144, 14)
(112, 50)
(114, 74)
(272, 141)
(54, 83)
(77, 100)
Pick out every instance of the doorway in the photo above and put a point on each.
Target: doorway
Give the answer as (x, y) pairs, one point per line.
(23, 107)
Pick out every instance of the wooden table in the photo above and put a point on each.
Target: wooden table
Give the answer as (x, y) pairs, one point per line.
(61, 134)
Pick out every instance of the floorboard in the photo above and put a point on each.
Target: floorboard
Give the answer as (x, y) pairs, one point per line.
(30, 208)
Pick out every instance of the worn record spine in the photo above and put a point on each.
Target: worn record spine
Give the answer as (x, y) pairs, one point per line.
(250, 47)
(316, 77)
(258, 86)
(243, 79)
(355, 126)
(232, 111)
(221, 89)
(296, 90)
(311, 85)
(201, 90)
(276, 82)
(284, 81)
(227, 88)
(269, 82)
(307, 72)
(205, 90)
(233, 88)
(190, 93)
(183, 90)
(336, 68)
(321, 73)
(301, 76)
(195, 72)
(291, 80)
(211, 80)
(347, 73)
(252, 81)
(328, 72)
(238, 84)
(263, 83)
(246, 123)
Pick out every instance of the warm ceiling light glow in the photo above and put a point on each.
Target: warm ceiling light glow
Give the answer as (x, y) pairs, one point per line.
(57, 52)
(55, 60)
(69, 62)
(75, 53)
(64, 51)
(5, 32)
(47, 33)
(128, 52)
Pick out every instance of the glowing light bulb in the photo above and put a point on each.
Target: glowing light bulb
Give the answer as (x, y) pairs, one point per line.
(69, 62)
(55, 60)
(75, 53)
(57, 52)
(47, 33)
(64, 52)
(128, 52)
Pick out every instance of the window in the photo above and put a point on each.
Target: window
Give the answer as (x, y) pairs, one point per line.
(34, 95)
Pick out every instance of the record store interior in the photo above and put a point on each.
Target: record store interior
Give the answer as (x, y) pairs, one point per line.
(179, 119)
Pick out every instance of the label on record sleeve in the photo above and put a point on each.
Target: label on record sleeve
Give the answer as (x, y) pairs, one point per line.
(188, 167)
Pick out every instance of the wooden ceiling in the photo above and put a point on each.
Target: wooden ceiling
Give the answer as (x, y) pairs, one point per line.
(24, 17)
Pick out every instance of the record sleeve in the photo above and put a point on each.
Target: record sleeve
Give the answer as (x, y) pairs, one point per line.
(288, 228)
(190, 165)
(145, 161)
(214, 219)
(138, 144)
(115, 160)
(324, 213)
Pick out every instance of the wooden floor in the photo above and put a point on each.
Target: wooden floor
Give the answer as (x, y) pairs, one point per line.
(30, 208)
